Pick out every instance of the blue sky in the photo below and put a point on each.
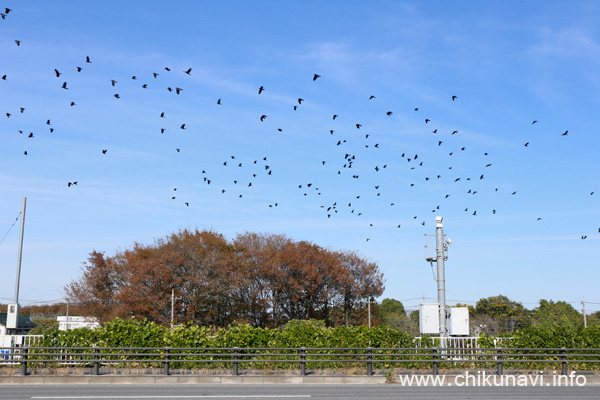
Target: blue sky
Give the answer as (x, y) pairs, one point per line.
(507, 63)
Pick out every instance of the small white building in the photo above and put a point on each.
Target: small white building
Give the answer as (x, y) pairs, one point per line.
(73, 322)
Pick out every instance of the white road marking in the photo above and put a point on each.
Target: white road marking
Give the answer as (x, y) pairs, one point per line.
(179, 397)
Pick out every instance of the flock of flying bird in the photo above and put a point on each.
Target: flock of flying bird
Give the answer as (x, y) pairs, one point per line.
(346, 165)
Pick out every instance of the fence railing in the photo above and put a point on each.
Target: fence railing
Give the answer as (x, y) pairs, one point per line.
(302, 358)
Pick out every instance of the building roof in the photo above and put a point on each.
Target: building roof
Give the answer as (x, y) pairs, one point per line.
(25, 321)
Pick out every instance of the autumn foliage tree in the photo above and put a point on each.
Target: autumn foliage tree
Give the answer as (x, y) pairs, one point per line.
(261, 279)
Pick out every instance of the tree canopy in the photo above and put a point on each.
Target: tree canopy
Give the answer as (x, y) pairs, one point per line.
(260, 279)
(556, 313)
(497, 314)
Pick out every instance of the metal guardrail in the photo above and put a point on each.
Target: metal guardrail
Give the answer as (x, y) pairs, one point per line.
(278, 358)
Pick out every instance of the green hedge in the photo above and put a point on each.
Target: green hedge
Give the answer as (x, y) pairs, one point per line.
(310, 334)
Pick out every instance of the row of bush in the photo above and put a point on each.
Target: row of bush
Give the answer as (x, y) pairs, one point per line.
(310, 334)
(143, 333)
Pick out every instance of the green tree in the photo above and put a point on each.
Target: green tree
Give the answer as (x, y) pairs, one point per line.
(392, 313)
(559, 313)
(497, 314)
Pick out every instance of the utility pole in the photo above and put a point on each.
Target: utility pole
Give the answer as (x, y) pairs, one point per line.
(369, 311)
(173, 298)
(441, 251)
(20, 252)
(12, 315)
(584, 318)
(441, 279)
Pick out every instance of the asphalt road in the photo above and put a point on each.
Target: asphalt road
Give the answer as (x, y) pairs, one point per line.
(345, 392)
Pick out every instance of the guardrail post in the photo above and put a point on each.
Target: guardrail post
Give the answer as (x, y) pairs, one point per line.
(563, 352)
(303, 361)
(96, 370)
(24, 351)
(369, 361)
(166, 362)
(435, 362)
(500, 362)
(235, 361)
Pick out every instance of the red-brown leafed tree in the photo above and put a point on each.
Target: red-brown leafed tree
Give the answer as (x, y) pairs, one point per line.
(261, 279)
(95, 290)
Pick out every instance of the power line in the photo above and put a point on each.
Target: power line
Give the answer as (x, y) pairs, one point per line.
(13, 224)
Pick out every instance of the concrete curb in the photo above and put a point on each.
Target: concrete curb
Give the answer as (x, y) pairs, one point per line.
(195, 380)
(591, 380)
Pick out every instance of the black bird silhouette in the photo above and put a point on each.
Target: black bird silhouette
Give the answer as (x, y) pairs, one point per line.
(87, 60)
(219, 102)
(64, 86)
(300, 100)
(113, 82)
(526, 144)
(155, 75)
(316, 76)
(104, 151)
(358, 126)
(167, 69)
(23, 109)
(117, 96)
(178, 90)
(454, 98)
(57, 73)
(260, 90)
(427, 120)
(334, 115)
(565, 134)
(262, 117)
(4, 77)
(18, 42)
(389, 113)
(78, 69)
(188, 71)
(372, 97)
(533, 122)
(182, 126)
